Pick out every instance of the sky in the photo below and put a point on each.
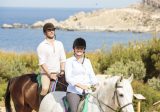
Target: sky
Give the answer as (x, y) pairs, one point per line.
(68, 3)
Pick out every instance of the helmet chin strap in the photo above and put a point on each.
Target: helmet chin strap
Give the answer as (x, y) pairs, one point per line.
(83, 57)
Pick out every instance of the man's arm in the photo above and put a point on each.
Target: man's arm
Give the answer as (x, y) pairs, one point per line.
(62, 67)
(50, 75)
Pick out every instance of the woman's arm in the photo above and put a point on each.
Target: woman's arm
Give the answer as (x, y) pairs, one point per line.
(92, 74)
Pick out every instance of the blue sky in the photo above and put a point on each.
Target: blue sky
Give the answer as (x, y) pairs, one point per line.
(68, 3)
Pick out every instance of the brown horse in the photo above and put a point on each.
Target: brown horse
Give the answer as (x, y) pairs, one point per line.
(25, 94)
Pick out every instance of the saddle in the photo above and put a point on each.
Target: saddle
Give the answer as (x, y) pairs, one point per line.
(51, 89)
(60, 84)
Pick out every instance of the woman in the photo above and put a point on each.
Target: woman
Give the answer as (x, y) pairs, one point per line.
(79, 74)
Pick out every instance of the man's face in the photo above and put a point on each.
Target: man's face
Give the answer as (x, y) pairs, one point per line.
(50, 32)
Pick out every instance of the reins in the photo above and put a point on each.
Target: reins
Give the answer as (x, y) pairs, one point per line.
(100, 102)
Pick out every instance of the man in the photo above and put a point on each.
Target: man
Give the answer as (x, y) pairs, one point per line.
(51, 57)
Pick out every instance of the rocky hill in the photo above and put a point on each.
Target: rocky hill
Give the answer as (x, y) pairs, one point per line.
(154, 3)
(135, 18)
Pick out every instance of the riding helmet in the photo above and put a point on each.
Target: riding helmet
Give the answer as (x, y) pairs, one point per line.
(79, 42)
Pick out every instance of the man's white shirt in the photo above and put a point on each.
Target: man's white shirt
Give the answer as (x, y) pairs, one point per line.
(51, 56)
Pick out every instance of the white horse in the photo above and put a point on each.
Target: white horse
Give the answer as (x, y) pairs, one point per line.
(112, 94)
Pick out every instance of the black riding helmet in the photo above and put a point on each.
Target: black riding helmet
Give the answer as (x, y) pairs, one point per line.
(48, 26)
(79, 42)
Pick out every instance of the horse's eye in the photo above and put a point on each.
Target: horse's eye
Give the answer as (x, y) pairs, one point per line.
(121, 95)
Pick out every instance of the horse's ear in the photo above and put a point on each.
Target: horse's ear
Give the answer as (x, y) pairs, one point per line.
(120, 79)
(130, 79)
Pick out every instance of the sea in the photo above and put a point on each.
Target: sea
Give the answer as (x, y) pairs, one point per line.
(27, 39)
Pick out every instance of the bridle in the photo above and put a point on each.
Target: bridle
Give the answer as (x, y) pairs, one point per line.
(119, 109)
(116, 95)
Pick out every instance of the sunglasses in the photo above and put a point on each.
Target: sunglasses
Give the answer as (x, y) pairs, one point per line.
(51, 29)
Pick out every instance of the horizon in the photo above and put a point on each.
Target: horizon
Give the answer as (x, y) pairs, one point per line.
(68, 4)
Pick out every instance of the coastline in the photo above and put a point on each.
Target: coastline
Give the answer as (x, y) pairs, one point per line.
(135, 18)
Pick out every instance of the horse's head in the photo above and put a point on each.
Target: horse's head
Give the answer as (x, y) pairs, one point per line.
(114, 93)
(123, 94)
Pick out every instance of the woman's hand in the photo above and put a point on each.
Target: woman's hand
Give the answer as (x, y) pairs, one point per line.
(84, 87)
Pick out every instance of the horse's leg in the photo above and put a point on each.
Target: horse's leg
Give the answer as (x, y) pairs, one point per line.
(19, 108)
(7, 98)
(27, 108)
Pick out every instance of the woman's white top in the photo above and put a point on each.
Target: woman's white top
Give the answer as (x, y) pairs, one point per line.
(76, 72)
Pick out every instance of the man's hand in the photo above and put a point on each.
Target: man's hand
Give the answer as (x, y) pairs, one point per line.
(61, 73)
(53, 76)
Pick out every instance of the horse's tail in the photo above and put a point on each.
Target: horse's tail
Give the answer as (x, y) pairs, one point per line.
(7, 98)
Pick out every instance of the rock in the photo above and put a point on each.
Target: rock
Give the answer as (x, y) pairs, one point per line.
(37, 24)
(53, 21)
(19, 25)
(40, 24)
(7, 26)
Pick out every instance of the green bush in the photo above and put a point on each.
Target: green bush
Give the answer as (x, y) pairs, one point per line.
(3, 85)
(118, 54)
(131, 67)
(154, 83)
(145, 53)
(150, 94)
(151, 58)
(17, 64)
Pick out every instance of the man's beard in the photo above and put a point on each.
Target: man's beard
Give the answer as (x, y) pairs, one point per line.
(49, 37)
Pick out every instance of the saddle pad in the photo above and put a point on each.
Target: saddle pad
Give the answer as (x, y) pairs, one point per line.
(66, 104)
(85, 107)
(52, 85)
(39, 80)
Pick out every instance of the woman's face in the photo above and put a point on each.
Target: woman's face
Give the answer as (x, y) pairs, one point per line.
(79, 51)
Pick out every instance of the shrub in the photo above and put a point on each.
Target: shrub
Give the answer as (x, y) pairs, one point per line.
(131, 67)
(150, 94)
(17, 64)
(3, 85)
(151, 58)
(154, 83)
(120, 53)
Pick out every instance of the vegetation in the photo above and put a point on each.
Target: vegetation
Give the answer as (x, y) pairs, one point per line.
(150, 94)
(139, 58)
